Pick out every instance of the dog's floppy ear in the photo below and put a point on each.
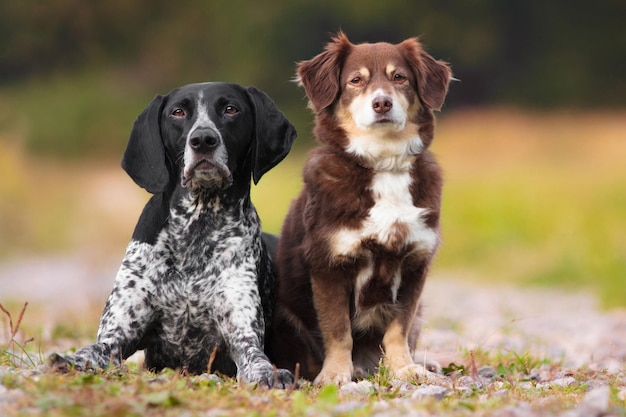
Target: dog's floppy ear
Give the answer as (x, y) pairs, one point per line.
(144, 158)
(433, 77)
(320, 75)
(273, 134)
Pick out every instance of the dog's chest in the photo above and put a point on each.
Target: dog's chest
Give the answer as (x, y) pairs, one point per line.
(394, 223)
(393, 229)
(202, 251)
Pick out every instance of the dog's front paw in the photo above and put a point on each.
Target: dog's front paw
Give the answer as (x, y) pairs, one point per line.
(90, 358)
(60, 363)
(282, 378)
(264, 374)
(64, 363)
(415, 373)
(334, 376)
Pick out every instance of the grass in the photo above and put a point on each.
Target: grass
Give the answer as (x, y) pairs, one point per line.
(131, 391)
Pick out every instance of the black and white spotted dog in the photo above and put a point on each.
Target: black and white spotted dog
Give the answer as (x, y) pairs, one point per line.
(196, 275)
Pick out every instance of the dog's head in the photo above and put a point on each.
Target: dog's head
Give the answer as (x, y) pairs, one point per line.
(207, 136)
(379, 89)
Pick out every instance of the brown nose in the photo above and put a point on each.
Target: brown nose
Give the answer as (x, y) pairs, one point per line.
(382, 104)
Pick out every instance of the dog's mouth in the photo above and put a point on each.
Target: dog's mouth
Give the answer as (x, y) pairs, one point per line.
(385, 120)
(204, 173)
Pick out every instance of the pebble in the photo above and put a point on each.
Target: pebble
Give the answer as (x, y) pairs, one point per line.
(559, 382)
(563, 382)
(430, 391)
(501, 393)
(595, 402)
(9, 397)
(347, 407)
(211, 378)
(487, 372)
(362, 388)
(519, 410)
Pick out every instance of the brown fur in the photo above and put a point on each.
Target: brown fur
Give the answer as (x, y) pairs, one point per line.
(322, 309)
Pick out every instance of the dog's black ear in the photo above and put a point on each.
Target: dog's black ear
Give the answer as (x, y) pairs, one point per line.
(274, 134)
(144, 158)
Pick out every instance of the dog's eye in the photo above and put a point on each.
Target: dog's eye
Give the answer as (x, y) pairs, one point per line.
(356, 81)
(231, 110)
(399, 78)
(178, 112)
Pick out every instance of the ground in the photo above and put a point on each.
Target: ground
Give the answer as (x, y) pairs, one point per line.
(529, 198)
(505, 350)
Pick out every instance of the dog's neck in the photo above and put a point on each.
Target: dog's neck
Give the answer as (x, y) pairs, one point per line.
(235, 198)
(381, 154)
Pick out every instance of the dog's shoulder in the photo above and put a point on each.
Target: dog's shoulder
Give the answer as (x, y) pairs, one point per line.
(427, 182)
(331, 170)
(152, 220)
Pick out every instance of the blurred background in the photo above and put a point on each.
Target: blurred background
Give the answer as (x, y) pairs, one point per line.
(532, 138)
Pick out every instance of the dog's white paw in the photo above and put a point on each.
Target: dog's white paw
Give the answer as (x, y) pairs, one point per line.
(326, 377)
(415, 373)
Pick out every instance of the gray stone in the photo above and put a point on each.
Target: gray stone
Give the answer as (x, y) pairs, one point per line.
(430, 391)
(563, 382)
(362, 388)
(487, 372)
(520, 410)
(595, 403)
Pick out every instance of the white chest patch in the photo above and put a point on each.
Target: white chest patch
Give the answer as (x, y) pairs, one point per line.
(393, 221)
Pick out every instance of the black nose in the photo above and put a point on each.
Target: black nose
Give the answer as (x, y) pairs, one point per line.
(382, 104)
(204, 140)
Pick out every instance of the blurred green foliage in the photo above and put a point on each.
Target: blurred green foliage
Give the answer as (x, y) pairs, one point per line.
(75, 74)
(105, 59)
(556, 231)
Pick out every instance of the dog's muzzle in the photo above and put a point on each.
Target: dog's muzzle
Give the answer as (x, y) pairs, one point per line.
(205, 161)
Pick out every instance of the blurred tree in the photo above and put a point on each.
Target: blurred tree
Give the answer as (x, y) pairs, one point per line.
(532, 53)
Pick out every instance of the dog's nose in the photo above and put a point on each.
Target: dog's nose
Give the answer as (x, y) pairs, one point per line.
(203, 140)
(382, 104)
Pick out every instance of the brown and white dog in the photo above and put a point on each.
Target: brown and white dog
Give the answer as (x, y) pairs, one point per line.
(357, 243)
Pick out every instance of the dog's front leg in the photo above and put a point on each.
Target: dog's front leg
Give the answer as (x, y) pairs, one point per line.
(127, 313)
(332, 303)
(398, 357)
(239, 316)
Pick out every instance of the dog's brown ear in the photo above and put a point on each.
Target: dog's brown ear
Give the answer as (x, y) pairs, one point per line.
(432, 76)
(144, 158)
(320, 75)
(274, 134)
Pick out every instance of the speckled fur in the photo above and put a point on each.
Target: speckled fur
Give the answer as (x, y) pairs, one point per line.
(202, 283)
